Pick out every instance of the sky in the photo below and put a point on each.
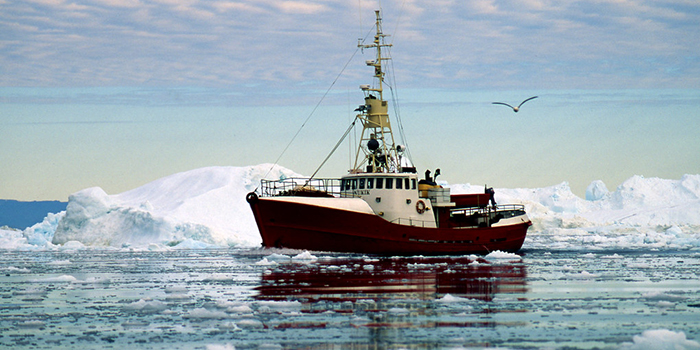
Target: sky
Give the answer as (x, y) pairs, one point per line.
(118, 93)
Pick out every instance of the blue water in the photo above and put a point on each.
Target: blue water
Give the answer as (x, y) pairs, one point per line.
(251, 299)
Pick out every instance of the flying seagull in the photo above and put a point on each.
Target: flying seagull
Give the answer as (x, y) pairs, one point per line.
(515, 109)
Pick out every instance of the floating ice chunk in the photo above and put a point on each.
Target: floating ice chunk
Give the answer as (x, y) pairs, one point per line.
(398, 311)
(279, 258)
(660, 339)
(583, 275)
(12, 239)
(206, 205)
(202, 313)
(250, 323)
(239, 309)
(448, 298)
(304, 257)
(221, 346)
(60, 262)
(96, 280)
(665, 305)
(614, 256)
(97, 219)
(499, 255)
(419, 266)
(175, 290)
(14, 269)
(135, 324)
(58, 279)
(659, 296)
(177, 297)
(278, 306)
(41, 234)
(265, 262)
(72, 245)
(230, 327)
(146, 306)
(596, 191)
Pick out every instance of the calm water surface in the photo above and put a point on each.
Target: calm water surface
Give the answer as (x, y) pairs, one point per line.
(251, 299)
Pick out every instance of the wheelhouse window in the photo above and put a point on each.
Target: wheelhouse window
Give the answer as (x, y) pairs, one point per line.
(380, 183)
(370, 183)
(413, 184)
(354, 184)
(407, 183)
(389, 183)
(362, 184)
(399, 184)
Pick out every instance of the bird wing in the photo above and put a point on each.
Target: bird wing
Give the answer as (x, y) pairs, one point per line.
(531, 98)
(501, 103)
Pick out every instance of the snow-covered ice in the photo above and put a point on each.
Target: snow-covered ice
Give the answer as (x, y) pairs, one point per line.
(206, 208)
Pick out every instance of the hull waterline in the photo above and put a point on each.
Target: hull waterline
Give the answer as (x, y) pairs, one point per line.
(285, 224)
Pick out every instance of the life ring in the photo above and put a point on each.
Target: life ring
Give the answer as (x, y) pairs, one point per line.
(420, 207)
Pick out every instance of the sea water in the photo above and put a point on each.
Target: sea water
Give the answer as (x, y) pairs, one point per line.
(284, 299)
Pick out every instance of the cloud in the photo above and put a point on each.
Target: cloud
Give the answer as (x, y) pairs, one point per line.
(225, 6)
(300, 7)
(448, 43)
(484, 7)
(120, 3)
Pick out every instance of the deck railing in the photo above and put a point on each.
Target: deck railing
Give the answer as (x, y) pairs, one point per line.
(508, 210)
(414, 222)
(300, 186)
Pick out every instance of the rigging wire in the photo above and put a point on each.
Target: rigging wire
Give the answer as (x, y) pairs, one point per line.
(342, 138)
(350, 128)
(395, 102)
(311, 114)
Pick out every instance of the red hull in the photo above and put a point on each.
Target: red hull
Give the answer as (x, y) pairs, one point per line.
(301, 226)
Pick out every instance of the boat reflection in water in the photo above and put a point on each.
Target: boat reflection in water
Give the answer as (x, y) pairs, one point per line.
(398, 292)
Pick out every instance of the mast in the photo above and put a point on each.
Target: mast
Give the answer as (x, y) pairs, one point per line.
(377, 151)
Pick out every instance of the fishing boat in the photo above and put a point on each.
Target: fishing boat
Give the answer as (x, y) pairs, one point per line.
(381, 206)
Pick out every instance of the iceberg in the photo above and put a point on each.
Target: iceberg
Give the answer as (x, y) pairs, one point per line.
(206, 207)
